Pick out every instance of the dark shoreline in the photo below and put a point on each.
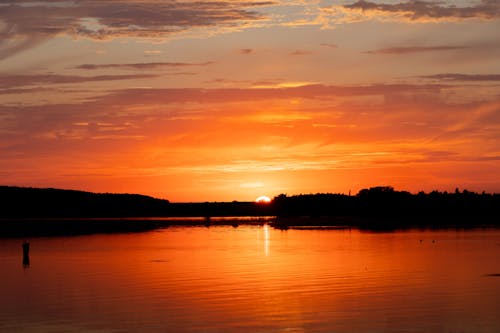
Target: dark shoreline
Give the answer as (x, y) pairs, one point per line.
(28, 212)
(47, 227)
(44, 227)
(388, 223)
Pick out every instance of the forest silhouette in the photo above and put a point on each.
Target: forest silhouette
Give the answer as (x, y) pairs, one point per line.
(55, 211)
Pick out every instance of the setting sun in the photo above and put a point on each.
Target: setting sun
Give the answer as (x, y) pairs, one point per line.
(263, 199)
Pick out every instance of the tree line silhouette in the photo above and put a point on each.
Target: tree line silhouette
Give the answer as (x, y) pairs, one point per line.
(383, 207)
(379, 207)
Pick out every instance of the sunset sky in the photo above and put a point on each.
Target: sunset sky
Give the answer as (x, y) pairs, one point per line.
(229, 100)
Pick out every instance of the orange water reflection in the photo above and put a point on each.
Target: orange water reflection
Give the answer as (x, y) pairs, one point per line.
(255, 279)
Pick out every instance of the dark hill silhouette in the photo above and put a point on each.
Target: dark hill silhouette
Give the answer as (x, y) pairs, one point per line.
(50, 203)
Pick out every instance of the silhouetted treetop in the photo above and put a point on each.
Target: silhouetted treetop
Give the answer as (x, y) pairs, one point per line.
(386, 202)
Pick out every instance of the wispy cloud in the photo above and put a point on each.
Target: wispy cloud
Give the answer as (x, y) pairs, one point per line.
(410, 11)
(422, 10)
(7, 91)
(13, 81)
(329, 45)
(246, 51)
(416, 49)
(143, 66)
(152, 53)
(463, 77)
(282, 90)
(27, 23)
(300, 53)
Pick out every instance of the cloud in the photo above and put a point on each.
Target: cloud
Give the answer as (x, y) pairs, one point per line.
(142, 66)
(300, 53)
(26, 23)
(152, 53)
(330, 45)
(416, 10)
(416, 49)
(246, 51)
(24, 90)
(12, 81)
(269, 91)
(183, 126)
(281, 91)
(410, 11)
(463, 77)
(11, 46)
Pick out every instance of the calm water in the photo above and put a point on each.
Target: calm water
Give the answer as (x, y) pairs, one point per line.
(254, 279)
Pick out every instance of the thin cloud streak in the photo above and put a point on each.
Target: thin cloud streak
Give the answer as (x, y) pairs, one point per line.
(416, 49)
(329, 45)
(198, 95)
(300, 53)
(12, 81)
(463, 77)
(143, 66)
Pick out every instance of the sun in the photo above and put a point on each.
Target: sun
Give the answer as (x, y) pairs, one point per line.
(263, 199)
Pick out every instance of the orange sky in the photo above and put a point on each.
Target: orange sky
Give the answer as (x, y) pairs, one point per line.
(230, 100)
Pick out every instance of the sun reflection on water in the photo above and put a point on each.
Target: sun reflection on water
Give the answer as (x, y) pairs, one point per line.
(267, 240)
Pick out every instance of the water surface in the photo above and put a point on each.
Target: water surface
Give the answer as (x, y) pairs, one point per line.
(254, 279)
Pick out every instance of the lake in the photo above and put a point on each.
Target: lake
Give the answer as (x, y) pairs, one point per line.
(254, 279)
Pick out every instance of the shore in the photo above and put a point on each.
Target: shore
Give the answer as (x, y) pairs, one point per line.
(42, 227)
(45, 227)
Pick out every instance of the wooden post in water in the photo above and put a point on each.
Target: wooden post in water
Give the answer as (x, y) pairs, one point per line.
(26, 254)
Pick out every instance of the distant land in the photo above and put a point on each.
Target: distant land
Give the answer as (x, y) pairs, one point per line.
(23, 202)
(46, 211)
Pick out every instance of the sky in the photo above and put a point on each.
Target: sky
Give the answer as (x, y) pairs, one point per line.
(229, 100)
